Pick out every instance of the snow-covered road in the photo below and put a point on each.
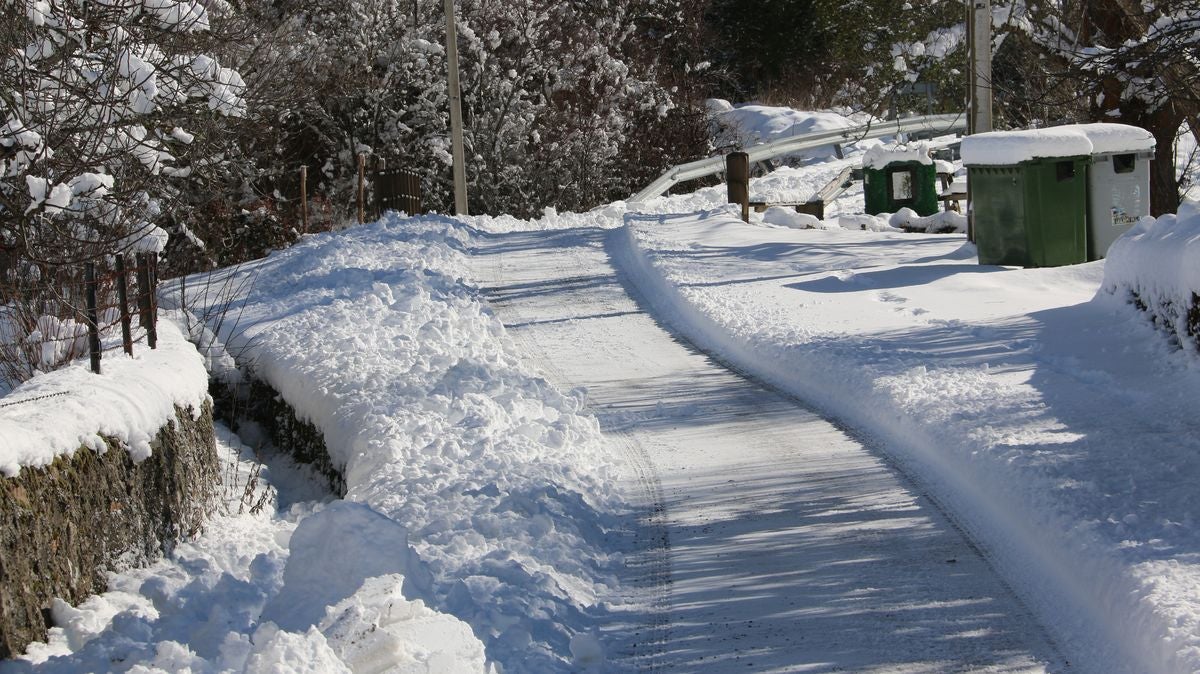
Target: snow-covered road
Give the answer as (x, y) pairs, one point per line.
(772, 540)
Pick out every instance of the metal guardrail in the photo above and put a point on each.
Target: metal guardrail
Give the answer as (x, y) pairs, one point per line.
(940, 124)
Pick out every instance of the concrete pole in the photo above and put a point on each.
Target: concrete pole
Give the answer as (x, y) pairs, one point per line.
(979, 20)
(456, 125)
(979, 34)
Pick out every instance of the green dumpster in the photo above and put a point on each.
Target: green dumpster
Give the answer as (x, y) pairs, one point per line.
(895, 178)
(1029, 196)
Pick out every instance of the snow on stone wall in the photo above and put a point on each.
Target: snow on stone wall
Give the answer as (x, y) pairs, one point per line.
(133, 398)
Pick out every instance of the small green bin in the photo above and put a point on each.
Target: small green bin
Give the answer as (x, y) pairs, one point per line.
(901, 184)
(1032, 214)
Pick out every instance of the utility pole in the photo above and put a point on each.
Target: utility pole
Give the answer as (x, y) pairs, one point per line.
(979, 36)
(979, 28)
(456, 125)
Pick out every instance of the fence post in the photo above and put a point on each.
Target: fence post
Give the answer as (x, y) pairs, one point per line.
(362, 170)
(152, 334)
(146, 304)
(737, 176)
(304, 199)
(123, 302)
(89, 280)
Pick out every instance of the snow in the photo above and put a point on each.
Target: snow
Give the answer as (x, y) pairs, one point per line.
(1003, 148)
(200, 610)
(1154, 263)
(747, 125)
(1117, 138)
(502, 485)
(1047, 418)
(879, 156)
(130, 401)
(1041, 411)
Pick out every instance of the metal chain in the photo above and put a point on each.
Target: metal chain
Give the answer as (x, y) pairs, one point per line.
(36, 398)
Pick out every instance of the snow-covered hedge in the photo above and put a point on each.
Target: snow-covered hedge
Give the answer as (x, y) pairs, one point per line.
(1156, 265)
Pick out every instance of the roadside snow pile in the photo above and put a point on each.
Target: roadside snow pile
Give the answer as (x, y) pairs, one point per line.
(1156, 266)
(1055, 426)
(199, 611)
(131, 401)
(498, 481)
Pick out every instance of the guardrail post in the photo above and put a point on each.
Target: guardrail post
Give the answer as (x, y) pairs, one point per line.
(737, 176)
(362, 188)
(304, 199)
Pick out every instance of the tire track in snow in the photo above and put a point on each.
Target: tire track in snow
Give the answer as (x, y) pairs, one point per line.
(651, 560)
(791, 546)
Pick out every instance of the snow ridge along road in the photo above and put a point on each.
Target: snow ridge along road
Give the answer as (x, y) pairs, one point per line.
(770, 540)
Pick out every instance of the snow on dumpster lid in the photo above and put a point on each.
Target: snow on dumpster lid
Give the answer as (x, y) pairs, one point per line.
(1003, 148)
(1115, 138)
(879, 156)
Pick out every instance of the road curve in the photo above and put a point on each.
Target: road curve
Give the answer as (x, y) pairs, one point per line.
(770, 541)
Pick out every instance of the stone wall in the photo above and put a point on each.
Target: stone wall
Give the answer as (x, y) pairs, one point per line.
(302, 440)
(64, 526)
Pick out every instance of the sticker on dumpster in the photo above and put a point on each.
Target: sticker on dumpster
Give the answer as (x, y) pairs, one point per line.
(1126, 204)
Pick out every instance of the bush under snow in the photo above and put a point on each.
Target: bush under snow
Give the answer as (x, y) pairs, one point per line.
(1154, 265)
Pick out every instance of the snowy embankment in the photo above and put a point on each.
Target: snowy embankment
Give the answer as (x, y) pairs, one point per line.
(1058, 429)
(1154, 267)
(447, 444)
(131, 401)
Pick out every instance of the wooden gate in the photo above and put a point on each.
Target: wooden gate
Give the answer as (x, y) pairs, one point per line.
(398, 190)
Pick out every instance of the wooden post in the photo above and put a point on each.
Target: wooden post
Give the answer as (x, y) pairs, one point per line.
(89, 280)
(146, 305)
(362, 167)
(815, 208)
(737, 176)
(304, 199)
(413, 192)
(152, 334)
(123, 302)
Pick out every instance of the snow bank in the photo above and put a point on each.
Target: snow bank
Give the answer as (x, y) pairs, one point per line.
(130, 401)
(201, 609)
(1154, 265)
(1057, 431)
(500, 483)
(1012, 147)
